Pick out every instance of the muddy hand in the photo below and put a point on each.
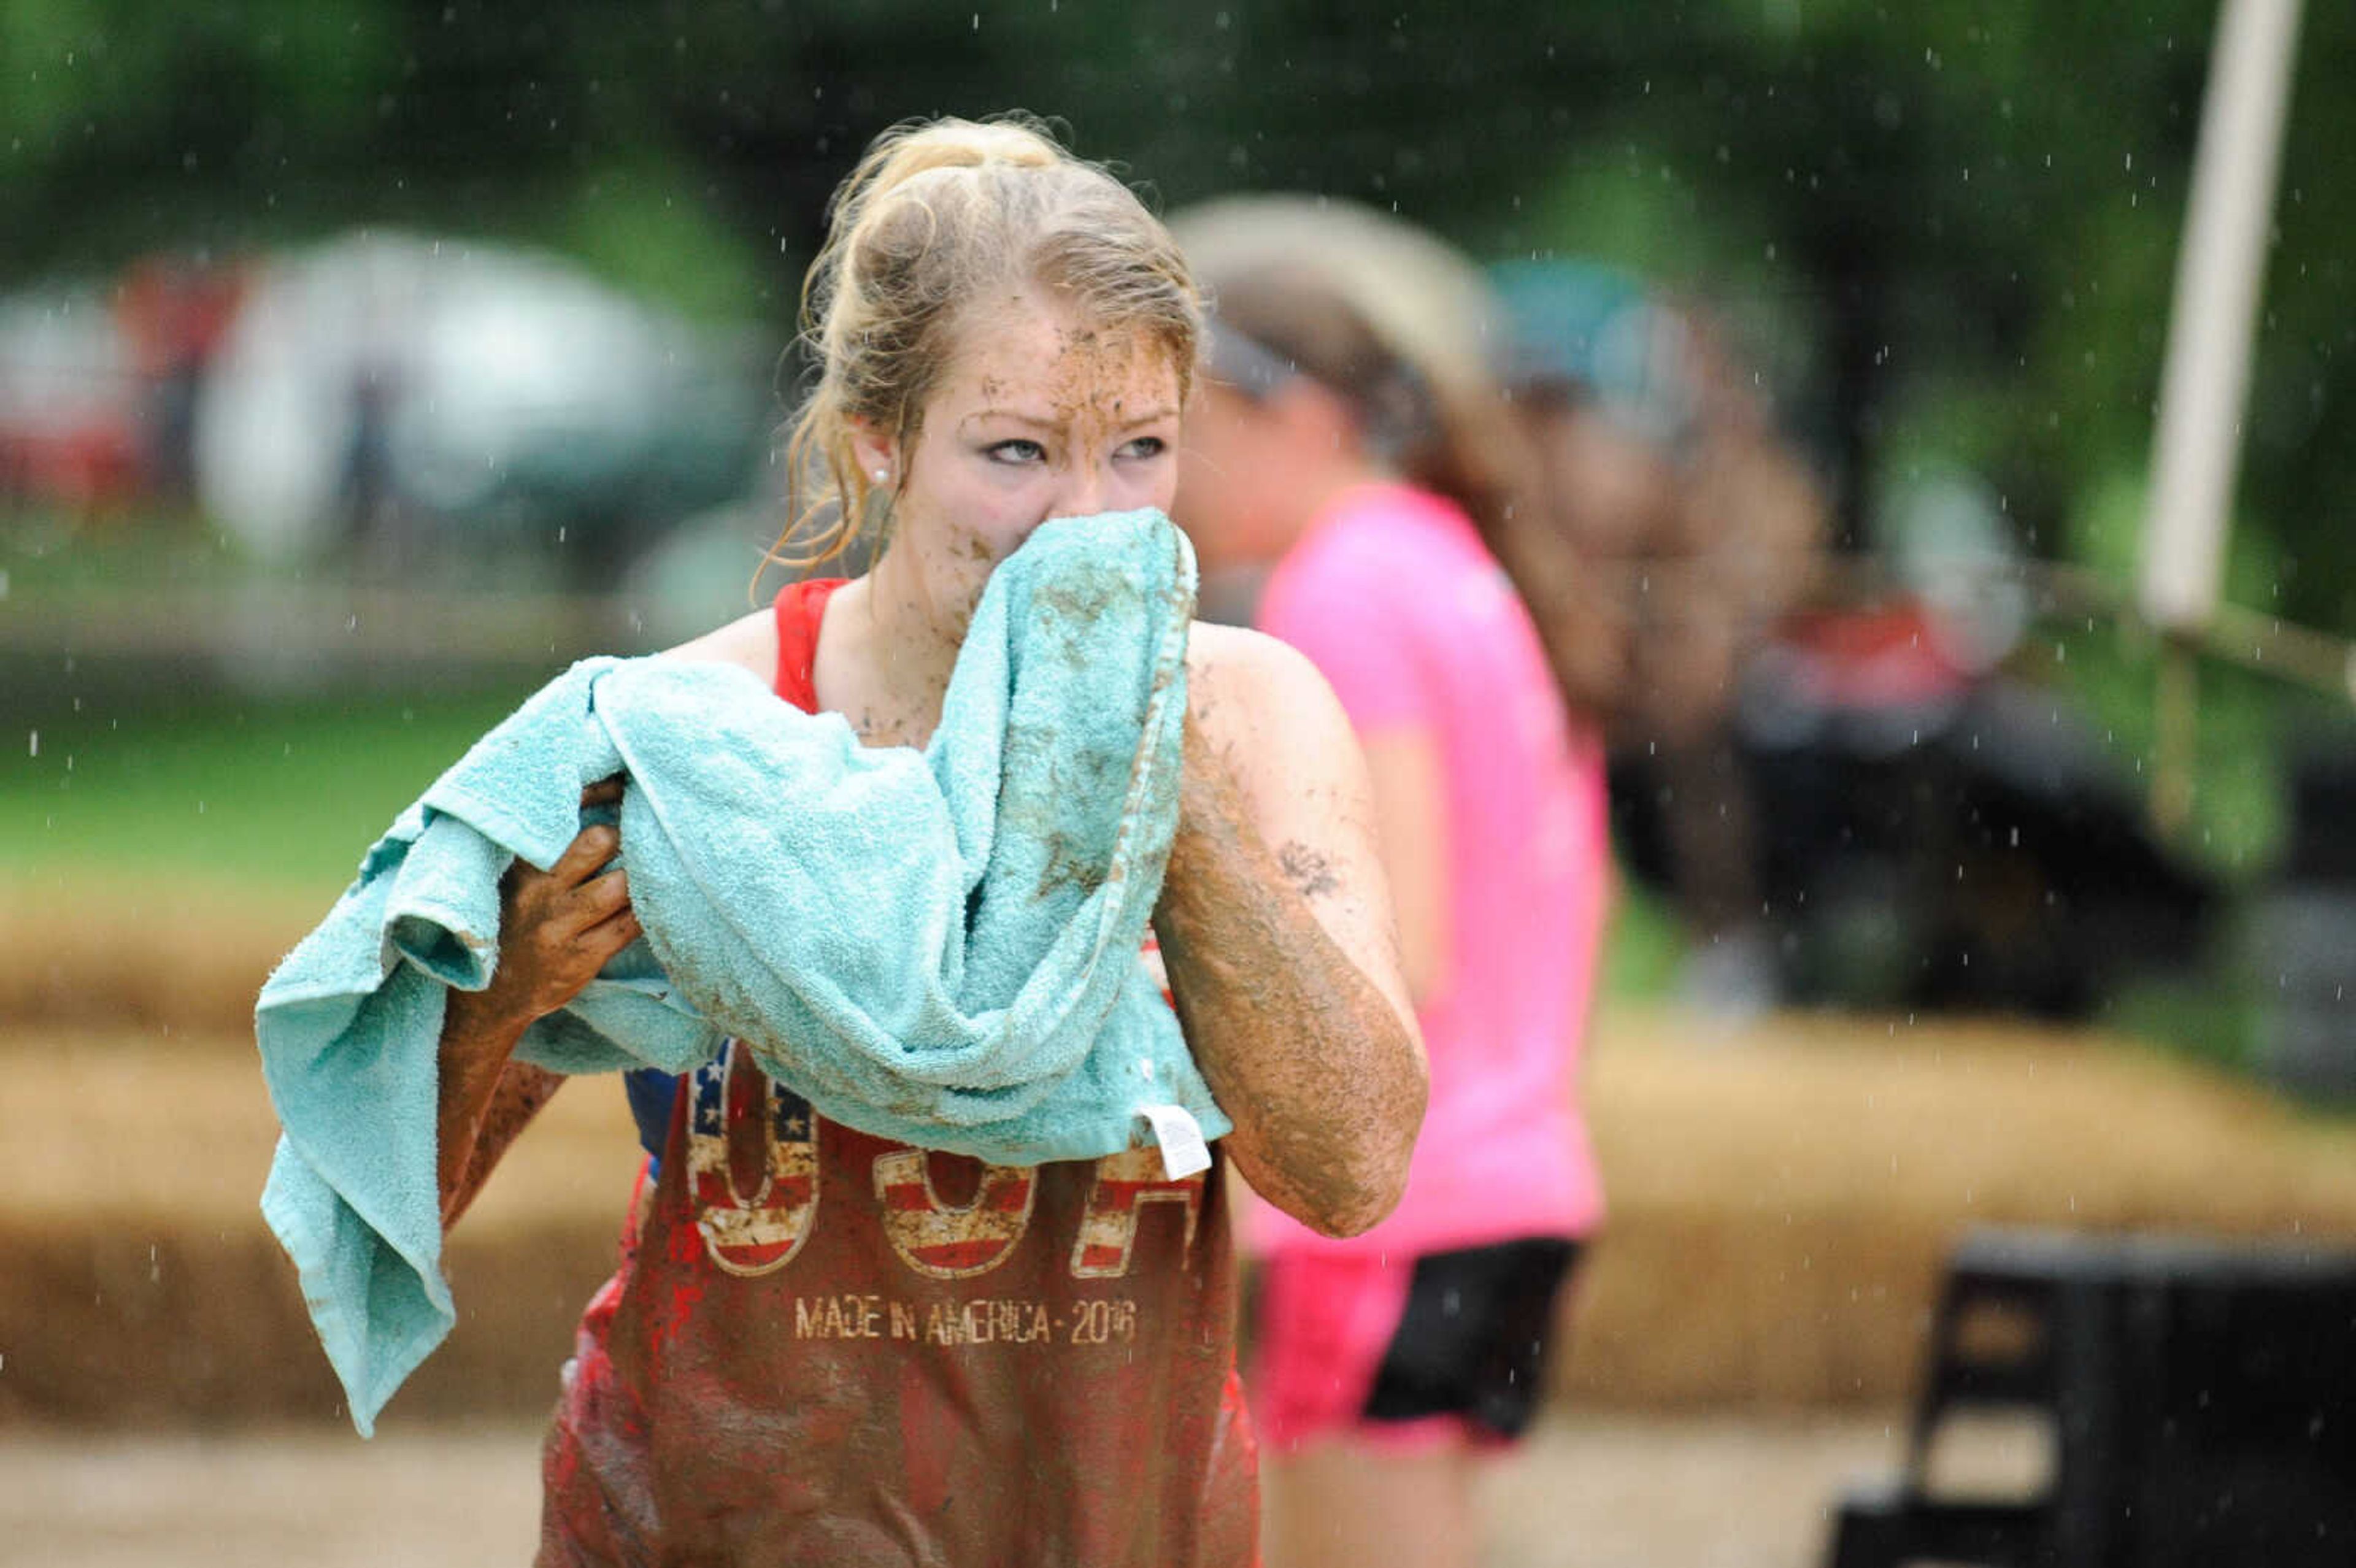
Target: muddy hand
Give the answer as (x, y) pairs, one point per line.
(559, 927)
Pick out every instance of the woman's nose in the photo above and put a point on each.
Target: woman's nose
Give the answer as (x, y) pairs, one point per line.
(1083, 491)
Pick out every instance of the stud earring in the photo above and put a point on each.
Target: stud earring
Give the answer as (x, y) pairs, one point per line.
(882, 475)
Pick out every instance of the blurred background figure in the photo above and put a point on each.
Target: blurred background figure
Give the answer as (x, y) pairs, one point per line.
(174, 313)
(1673, 530)
(1826, 760)
(1356, 478)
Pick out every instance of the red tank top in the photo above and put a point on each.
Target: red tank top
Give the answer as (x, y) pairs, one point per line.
(829, 1347)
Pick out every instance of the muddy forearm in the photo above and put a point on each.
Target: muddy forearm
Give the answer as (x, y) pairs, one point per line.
(521, 1090)
(557, 929)
(478, 1040)
(1309, 1058)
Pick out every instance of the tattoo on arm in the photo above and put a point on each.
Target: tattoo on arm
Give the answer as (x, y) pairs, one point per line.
(1328, 1080)
(1310, 873)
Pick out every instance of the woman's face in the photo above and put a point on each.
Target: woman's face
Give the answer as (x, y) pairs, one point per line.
(1042, 414)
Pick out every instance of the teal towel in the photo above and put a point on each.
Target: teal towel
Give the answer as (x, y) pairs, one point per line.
(939, 947)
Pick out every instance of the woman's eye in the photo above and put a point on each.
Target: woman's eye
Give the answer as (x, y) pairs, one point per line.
(1145, 447)
(1017, 451)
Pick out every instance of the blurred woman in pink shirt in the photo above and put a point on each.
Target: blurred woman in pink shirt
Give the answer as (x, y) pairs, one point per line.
(1387, 1362)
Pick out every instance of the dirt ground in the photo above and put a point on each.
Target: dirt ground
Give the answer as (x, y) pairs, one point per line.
(1616, 1491)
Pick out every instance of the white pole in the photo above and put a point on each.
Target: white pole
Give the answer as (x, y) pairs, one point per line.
(2205, 385)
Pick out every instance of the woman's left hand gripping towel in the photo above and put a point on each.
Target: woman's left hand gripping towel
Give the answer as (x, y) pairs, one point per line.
(350, 1025)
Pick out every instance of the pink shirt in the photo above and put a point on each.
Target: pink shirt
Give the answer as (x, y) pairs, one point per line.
(1394, 597)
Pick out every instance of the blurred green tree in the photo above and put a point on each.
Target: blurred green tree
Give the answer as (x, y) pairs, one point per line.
(1965, 216)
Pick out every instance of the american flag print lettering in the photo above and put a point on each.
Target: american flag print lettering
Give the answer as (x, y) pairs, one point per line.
(1124, 1184)
(760, 1233)
(732, 1103)
(943, 1241)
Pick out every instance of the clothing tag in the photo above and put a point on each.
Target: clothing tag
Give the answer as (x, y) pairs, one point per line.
(1184, 1152)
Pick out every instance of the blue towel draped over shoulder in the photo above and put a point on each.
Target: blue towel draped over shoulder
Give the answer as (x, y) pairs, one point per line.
(939, 947)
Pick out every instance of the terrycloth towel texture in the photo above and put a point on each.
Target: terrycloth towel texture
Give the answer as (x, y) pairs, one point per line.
(938, 947)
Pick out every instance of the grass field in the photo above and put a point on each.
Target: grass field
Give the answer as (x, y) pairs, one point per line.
(277, 795)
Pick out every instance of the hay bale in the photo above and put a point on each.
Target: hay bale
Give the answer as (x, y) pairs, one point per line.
(142, 1286)
(174, 950)
(1783, 1200)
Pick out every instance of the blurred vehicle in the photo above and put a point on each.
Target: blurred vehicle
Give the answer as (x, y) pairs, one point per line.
(70, 401)
(174, 312)
(1934, 835)
(414, 398)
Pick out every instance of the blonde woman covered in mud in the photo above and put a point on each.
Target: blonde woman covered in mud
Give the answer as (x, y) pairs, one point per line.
(882, 1354)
